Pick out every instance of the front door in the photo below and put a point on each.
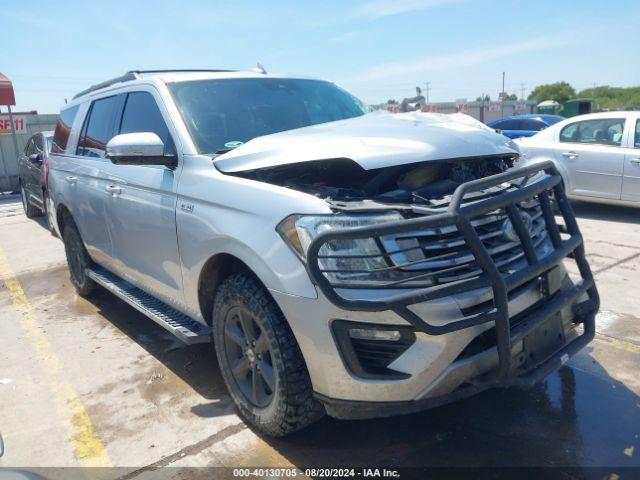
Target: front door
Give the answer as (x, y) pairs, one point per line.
(141, 212)
(593, 155)
(631, 180)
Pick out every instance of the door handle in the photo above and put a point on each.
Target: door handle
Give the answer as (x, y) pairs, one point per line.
(71, 179)
(636, 160)
(113, 189)
(570, 155)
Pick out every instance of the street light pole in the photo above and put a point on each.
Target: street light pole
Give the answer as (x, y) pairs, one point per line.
(502, 98)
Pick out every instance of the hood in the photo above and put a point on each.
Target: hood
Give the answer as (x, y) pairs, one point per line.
(375, 140)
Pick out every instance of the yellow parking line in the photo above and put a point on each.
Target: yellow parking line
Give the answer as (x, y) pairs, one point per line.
(87, 447)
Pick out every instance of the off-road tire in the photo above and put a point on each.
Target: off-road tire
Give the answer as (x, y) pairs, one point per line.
(45, 211)
(30, 210)
(78, 260)
(292, 406)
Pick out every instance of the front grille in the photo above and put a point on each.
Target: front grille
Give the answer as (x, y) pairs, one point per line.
(442, 256)
(435, 256)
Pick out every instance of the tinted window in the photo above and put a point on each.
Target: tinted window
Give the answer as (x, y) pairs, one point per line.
(508, 125)
(28, 150)
(636, 141)
(534, 125)
(224, 113)
(63, 129)
(602, 131)
(141, 114)
(38, 145)
(98, 128)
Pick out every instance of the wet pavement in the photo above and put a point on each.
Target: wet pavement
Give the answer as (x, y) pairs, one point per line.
(155, 403)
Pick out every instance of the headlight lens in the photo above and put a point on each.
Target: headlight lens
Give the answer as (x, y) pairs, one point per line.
(359, 259)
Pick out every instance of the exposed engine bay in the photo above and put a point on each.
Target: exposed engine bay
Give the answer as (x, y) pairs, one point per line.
(346, 186)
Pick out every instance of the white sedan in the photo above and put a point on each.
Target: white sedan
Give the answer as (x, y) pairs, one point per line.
(597, 154)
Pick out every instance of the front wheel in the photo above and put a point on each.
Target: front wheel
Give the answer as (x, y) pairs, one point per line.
(260, 360)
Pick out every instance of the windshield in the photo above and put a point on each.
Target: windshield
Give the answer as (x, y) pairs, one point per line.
(224, 113)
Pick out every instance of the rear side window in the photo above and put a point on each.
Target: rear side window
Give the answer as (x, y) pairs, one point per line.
(601, 131)
(141, 114)
(532, 125)
(508, 125)
(636, 141)
(98, 128)
(63, 129)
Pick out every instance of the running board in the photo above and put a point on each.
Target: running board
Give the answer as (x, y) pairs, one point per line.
(182, 326)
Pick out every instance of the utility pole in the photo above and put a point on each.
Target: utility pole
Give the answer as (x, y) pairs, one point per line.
(502, 98)
(427, 87)
(522, 85)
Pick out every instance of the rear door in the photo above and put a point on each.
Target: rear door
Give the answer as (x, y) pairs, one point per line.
(141, 208)
(86, 180)
(593, 155)
(631, 180)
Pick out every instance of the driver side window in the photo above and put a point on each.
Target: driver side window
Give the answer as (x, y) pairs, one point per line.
(141, 114)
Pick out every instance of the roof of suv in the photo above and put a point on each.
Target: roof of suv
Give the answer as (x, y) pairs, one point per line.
(167, 76)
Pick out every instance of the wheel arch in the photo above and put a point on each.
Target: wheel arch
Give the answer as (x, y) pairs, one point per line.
(62, 216)
(215, 270)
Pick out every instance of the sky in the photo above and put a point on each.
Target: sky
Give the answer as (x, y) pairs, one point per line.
(376, 49)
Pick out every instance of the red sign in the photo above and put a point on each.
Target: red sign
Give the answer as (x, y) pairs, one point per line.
(462, 107)
(19, 124)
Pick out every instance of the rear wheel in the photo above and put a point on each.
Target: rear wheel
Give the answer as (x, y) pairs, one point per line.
(29, 209)
(260, 359)
(46, 209)
(78, 260)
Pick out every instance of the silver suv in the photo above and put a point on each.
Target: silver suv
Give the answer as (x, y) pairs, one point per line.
(360, 264)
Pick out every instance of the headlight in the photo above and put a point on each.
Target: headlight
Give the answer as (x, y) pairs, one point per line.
(359, 259)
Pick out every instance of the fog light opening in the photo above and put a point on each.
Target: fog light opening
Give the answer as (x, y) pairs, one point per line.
(370, 334)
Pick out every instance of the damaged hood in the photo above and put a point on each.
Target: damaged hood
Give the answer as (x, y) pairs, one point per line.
(375, 140)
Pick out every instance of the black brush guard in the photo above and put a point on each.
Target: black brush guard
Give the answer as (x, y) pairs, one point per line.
(459, 214)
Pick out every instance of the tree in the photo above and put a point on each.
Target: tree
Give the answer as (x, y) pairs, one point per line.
(483, 98)
(392, 101)
(559, 91)
(513, 96)
(612, 98)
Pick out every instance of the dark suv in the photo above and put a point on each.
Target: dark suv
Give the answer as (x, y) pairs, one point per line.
(33, 165)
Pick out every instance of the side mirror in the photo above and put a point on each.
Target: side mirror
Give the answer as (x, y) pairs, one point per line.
(143, 148)
(35, 158)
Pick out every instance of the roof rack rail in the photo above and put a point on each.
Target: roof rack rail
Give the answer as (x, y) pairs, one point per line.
(122, 78)
(181, 70)
(134, 75)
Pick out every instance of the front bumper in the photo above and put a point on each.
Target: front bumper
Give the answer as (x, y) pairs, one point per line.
(442, 376)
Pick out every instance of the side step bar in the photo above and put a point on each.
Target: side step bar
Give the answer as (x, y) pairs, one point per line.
(182, 326)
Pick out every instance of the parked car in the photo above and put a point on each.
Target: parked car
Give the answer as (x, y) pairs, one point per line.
(598, 156)
(359, 264)
(33, 170)
(519, 126)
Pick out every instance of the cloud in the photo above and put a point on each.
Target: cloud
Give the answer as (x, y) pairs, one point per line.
(28, 20)
(462, 59)
(376, 9)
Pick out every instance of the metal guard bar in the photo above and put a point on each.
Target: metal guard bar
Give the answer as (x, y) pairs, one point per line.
(460, 215)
